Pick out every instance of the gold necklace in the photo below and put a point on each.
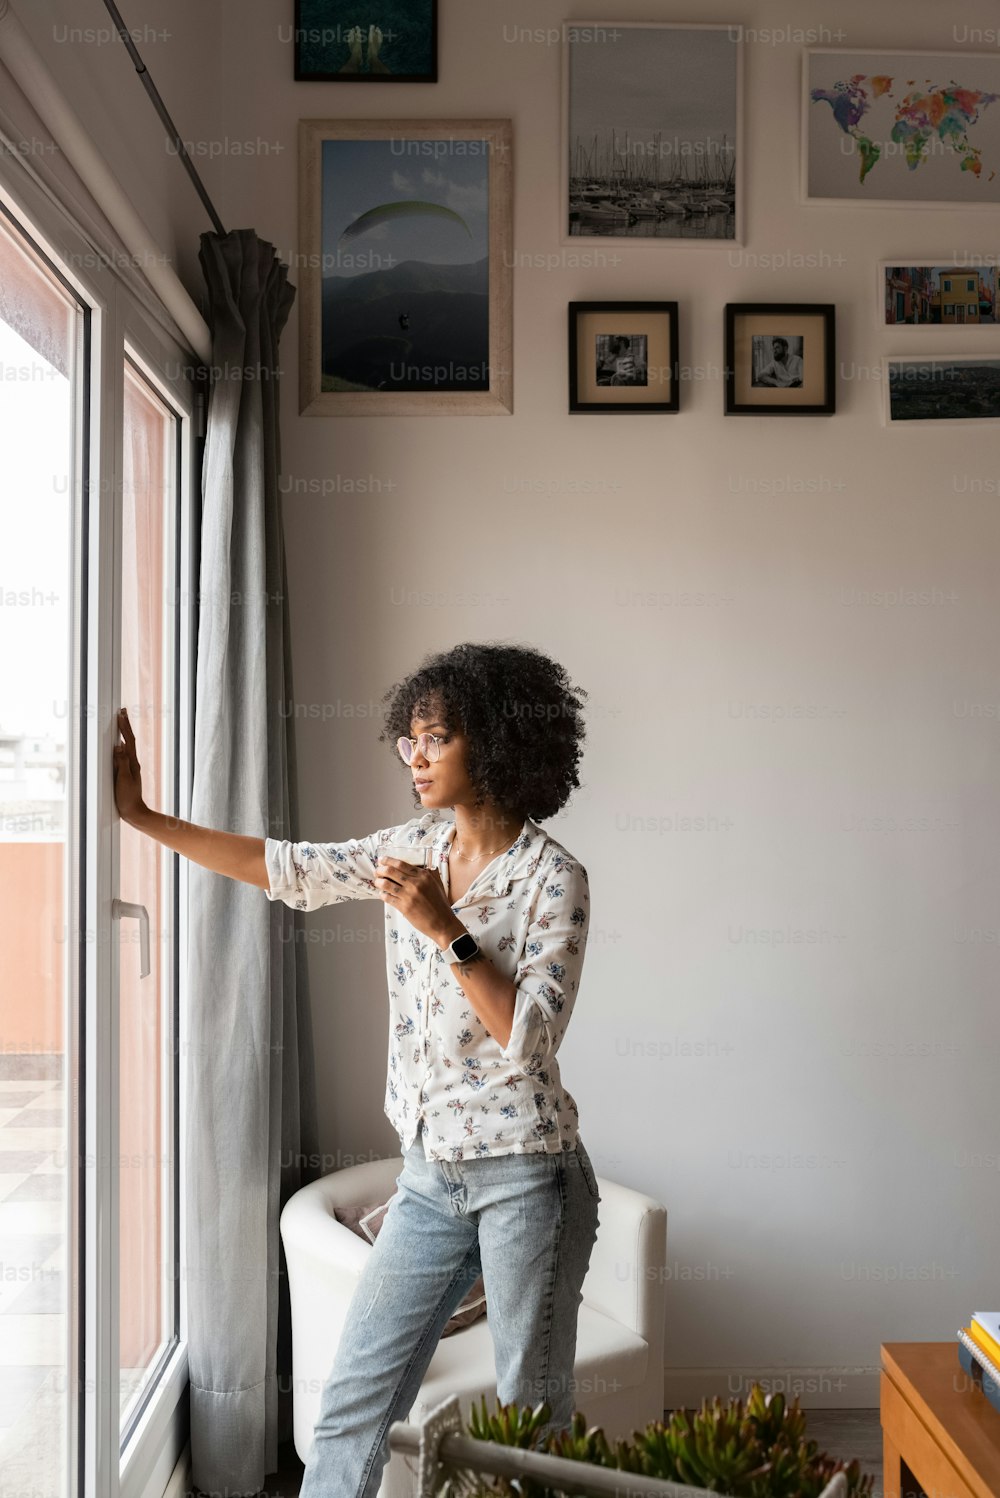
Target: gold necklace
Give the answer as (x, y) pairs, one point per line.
(473, 858)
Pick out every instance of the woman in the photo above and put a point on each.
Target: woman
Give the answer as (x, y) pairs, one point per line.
(485, 941)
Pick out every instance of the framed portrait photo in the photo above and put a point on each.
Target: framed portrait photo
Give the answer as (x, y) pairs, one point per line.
(405, 268)
(780, 359)
(652, 147)
(940, 389)
(623, 357)
(896, 128)
(962, 294)
(366, 41)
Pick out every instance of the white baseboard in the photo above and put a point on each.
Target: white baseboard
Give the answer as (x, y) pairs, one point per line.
(816, 1388)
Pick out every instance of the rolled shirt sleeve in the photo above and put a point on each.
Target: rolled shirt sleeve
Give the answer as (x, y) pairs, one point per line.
(308, 875)
(548, 975)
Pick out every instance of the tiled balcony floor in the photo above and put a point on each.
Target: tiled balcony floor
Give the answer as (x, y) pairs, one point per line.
(33, 1324)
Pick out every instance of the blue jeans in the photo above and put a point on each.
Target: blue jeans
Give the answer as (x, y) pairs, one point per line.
(527, 1223)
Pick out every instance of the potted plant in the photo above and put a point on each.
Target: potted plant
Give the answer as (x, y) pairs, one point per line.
(753, 1450)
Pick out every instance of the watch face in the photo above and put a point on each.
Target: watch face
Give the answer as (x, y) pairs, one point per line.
(465, 947)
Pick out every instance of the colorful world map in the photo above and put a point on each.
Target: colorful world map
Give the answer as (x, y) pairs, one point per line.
(925, 114)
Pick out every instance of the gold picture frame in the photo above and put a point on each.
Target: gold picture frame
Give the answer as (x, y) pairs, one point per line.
(437, 340)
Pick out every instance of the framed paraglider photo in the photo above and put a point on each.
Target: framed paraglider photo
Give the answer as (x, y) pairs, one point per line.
(405, 267)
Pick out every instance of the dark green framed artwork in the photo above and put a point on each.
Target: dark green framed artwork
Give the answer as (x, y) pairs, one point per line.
(366, 41)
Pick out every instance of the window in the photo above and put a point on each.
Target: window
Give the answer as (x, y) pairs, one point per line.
(99, 475)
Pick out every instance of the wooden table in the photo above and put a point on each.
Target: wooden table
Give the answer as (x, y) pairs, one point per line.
(940, 1434)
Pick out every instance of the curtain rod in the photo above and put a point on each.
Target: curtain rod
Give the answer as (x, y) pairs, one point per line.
(162, 111)
(22, 58)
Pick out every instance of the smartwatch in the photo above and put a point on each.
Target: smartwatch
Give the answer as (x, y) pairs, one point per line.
(461, 949)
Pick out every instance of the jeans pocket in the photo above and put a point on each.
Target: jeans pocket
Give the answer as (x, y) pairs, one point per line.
(587, 1171)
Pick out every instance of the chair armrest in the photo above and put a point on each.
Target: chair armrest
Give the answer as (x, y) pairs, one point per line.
(310, 1232)
(626, 1278)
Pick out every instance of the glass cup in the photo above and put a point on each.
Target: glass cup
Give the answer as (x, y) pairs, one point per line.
(424, 857)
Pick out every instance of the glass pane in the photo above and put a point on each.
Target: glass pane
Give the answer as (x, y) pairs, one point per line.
(146, 1165)
(40, 333)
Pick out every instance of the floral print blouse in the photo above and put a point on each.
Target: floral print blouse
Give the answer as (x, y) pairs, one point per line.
(528, 909)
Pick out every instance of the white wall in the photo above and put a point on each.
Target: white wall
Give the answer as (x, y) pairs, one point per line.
(807, 1111)
(811, 1111)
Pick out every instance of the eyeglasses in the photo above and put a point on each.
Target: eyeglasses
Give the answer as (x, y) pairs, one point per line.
(429, 745)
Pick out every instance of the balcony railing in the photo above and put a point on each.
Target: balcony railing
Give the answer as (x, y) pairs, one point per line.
(441, 1449)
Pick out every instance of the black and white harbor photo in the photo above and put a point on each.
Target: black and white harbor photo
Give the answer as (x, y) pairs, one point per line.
(651, 131)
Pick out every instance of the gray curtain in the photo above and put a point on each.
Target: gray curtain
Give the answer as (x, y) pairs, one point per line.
(251, 1094)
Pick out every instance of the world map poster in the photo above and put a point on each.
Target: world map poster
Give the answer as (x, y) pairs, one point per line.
(902, 127)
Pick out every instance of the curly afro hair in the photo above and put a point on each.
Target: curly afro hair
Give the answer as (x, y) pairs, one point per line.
(519, 712)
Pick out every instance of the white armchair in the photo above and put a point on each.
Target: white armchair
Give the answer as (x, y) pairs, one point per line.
(619, 1355)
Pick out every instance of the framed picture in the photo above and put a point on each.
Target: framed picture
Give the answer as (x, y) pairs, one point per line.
(652, 132)
(894, 128)
(931, 388)
(406, 255)
(780, 359)
(623, 357)
(366, 41)
(942, 295)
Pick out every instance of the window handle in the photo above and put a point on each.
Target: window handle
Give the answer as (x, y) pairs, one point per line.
(126, 908)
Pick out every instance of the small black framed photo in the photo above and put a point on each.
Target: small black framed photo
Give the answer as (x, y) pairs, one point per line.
(366, 41)
(623, 357)
(780, 359)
